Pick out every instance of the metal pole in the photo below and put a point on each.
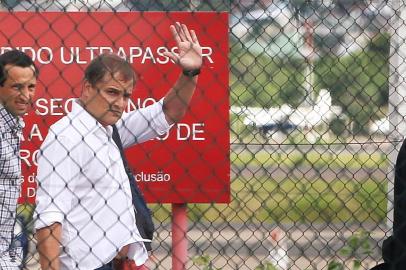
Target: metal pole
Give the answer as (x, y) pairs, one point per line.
(179, 240)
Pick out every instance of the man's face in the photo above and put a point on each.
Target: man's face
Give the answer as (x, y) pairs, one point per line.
(107, 99)
(18, 90)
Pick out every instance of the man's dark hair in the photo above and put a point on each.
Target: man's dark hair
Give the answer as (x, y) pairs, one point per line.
(108, 63)
(15, 58)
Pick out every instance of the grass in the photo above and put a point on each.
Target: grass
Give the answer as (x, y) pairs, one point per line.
(318, 160)
(290, 201)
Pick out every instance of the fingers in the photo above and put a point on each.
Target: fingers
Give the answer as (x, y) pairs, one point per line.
(186, 33)
(175, 34)
(173, 56)
(194, 37)
(181, 33)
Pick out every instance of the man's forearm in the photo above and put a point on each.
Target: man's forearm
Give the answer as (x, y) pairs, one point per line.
(178, 98)
(49, 239)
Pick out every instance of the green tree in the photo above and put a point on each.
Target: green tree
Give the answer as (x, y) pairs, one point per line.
(262, 81)
(358, 82)
(180, 5)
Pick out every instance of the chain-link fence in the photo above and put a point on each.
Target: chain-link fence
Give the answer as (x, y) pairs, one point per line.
(315, 123)
(311, 136)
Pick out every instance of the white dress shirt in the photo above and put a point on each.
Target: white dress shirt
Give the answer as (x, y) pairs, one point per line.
(82, 184)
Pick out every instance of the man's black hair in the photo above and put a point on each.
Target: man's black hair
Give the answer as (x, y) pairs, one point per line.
(15, 58)
(108, 64)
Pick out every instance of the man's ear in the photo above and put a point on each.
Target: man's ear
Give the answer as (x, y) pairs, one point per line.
(86, 91)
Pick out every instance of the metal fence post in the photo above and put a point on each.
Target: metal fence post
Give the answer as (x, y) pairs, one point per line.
(179, 240)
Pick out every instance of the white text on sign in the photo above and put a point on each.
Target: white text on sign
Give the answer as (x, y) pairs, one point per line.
(84, 55)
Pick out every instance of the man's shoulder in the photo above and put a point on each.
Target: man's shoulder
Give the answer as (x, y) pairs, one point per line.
(61, 125)
(66, 127)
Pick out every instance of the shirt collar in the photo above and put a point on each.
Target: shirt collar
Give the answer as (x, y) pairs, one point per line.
(88, 121)
(14, 123)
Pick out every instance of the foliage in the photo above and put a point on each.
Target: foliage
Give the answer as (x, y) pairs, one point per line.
(303, 8)
(338, 126)
(183, 5)
(204, 261)
(297, 201)
(266, 266)
(358, 82)
(25, 213)
(258, 80)
(357, 246)
(334, 265)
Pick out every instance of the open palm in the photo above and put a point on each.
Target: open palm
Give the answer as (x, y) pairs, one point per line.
(189, 56)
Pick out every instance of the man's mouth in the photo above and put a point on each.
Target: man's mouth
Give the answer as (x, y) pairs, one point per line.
(116, 113)
(21, 104)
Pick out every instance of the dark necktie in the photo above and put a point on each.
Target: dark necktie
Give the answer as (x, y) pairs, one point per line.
(143, 216)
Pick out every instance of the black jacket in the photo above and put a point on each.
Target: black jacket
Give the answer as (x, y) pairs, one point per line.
(394, 248)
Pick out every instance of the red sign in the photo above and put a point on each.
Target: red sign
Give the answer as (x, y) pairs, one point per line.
(191, 163)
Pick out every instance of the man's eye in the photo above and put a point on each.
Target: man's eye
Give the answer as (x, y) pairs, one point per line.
(112, 92)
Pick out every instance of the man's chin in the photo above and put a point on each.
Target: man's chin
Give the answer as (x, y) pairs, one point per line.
(17, 112)
(115, 117)
(109, 122)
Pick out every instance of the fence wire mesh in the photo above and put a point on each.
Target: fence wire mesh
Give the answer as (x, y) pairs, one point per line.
(316, 123)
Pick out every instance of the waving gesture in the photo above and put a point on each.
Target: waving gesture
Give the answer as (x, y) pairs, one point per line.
(189, 56)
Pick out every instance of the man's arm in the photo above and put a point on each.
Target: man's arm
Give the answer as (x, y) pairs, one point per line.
(147, 123)
(189, 58)
(178, 98)
(49, 242)
(57, 173)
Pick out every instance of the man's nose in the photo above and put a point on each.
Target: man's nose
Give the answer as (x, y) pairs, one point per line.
(121, 102)
(25, 92)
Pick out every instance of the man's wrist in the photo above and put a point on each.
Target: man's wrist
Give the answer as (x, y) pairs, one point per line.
(191, 73)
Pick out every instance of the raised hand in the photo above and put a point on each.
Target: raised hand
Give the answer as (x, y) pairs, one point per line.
(189, 56)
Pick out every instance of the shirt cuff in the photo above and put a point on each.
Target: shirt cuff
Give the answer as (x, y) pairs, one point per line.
(47, 219)
(138, 253)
